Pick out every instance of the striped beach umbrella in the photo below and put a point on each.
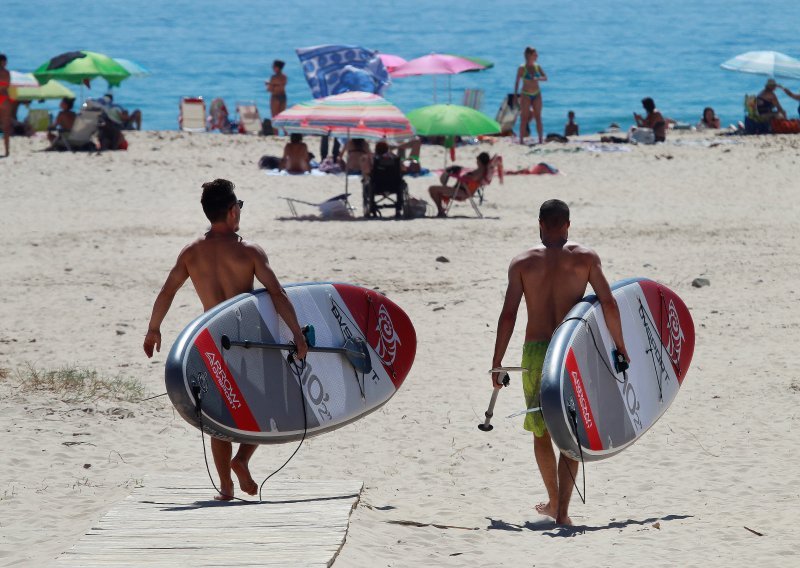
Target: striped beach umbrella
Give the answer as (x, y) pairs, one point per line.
(354, 114)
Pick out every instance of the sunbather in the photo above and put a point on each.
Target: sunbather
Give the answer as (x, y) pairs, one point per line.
(795, 96)
(276, 86)
(571, 127)
(653, 120)
(64, 120)
(530, 98)
(358, 157)
(295, 156)
(709, 120)
(126, 120)
(767, 104)
(467, 183)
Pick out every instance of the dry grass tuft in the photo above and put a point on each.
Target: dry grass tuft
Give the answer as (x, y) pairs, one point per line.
(78, 384)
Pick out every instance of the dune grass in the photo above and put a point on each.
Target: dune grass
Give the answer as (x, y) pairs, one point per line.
(78, 384)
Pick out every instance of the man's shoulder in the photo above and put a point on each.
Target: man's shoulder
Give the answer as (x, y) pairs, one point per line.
(580, 251)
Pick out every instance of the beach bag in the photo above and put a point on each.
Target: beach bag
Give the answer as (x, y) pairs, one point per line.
(416, 208)
(269, 163)
(266, 127)
(335, 208)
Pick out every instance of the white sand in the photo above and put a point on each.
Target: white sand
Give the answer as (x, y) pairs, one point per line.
(87, 240)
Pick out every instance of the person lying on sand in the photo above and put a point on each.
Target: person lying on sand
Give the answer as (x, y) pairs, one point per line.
(552, 278)
(221, 266)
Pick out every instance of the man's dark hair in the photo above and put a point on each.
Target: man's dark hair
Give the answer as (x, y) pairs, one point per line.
(484, 158)
(70, 102)
(381, 148)
(3, 57)
(295, 138)
(217, 199)
(648, 104)
(279, 64)
(554, 213)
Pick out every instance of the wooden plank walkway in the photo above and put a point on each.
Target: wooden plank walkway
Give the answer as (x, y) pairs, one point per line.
(300, 523)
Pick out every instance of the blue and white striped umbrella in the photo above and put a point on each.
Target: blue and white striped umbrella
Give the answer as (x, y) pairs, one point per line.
(769, 63)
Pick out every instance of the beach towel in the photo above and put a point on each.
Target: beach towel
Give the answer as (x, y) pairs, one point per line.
(335, 69)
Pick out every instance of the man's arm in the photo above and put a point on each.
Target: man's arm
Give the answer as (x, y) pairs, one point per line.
(507, 319)
(610, 309)
(280, 300)
(177, 276)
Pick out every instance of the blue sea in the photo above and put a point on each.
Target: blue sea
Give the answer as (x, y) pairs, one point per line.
(602, 56)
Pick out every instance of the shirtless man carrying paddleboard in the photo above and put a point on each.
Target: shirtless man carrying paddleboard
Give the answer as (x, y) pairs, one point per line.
(221, 266)
(552, 278)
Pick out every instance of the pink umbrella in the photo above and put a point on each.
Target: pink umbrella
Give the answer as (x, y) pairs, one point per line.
(436, 64)
(391, 62)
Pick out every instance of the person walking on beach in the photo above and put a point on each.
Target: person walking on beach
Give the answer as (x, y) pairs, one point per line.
(277, 88)
(552, 278)
(530, 100)
(6, 104)
(221, 265)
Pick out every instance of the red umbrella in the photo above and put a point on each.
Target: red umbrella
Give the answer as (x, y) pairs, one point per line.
(391, 62)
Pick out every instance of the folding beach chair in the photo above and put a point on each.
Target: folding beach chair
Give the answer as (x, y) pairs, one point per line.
(385, 188)
(473, 98)
(84, 128)
(249, 119)
(38, 119)
(192, 117)
(495, 165)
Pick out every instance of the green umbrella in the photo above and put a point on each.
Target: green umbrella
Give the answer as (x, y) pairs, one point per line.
(81, 66)
(451, 120)
(50, 90)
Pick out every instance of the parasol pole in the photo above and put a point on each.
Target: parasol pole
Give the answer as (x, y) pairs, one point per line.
(346, 173)
(449, 91)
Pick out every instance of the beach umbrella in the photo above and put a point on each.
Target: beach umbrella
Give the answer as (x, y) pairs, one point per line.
(769, 63)
(437, 64)
(391, 62)
(79, 67)
(484, 63)
(19, 79)
(50, 90)
(135, 69)
(354, 114)
(451, 121)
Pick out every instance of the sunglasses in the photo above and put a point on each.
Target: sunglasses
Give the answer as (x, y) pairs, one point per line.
(238, 202)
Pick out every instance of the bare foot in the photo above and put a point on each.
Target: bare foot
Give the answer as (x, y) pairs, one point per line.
(564, 521)
(246, 482)
(226, 492)
(547, 510)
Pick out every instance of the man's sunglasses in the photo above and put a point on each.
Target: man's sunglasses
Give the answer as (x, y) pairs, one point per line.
(239, 202)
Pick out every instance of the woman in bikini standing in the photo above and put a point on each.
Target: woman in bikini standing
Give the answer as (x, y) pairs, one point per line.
(530, 100)
(6, 103)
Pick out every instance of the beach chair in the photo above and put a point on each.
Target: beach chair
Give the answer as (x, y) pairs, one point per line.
(249, 119)
(84, 128)
(495, 165)
(38, 119)
(192, 117)
(385, 187)
(473, 98)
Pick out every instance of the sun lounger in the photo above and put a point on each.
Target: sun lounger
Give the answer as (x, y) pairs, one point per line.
(249, 119)
(83, 129)
(473, 98)
(192, 116)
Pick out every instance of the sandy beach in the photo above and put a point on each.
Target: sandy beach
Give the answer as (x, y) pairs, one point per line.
(88, 239)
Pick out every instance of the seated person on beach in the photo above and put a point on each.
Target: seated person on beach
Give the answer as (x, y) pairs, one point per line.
(357, 156)
(571, 128)
(295, 156)
(767, 104)
(467, 183)
(709, 121)
(64, 120)
(128, 121)
(653, 120)
(412, 163)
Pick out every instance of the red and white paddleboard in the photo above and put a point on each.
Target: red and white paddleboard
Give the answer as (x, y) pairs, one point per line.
(251, 394)
(584, 401)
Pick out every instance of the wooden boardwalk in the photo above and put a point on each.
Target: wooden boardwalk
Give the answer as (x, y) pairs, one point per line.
(300, 523)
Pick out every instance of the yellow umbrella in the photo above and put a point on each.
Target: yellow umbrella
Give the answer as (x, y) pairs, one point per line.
(50, 90)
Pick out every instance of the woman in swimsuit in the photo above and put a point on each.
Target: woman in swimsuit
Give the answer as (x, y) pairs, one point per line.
(277, 88)
(467, 184)
(530, 100)
(6, 104)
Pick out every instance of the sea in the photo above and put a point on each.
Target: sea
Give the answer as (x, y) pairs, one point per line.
(601, 56)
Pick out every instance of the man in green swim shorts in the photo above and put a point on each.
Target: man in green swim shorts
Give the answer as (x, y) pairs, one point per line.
(552, 278)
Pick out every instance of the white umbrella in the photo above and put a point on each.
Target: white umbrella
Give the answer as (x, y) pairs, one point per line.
(19, 79)
(769, 63)
(132, 67)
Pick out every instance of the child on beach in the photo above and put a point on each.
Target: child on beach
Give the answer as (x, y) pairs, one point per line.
(571, 127)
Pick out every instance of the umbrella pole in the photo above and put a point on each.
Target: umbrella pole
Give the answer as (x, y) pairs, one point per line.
(346, 173)
(449, 92)
(434, 89)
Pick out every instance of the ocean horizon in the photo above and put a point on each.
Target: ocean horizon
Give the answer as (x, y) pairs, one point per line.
(601, 57)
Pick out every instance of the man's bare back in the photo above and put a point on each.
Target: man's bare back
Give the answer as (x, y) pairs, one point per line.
(221, 265)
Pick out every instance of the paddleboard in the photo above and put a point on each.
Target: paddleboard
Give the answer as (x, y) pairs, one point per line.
(593, 412)
(248, 390)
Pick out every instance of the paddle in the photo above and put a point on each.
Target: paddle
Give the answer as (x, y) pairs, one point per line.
(354, 349)
(505, 380)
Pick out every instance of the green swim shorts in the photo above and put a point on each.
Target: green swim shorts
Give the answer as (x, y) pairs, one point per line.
(533, 353)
